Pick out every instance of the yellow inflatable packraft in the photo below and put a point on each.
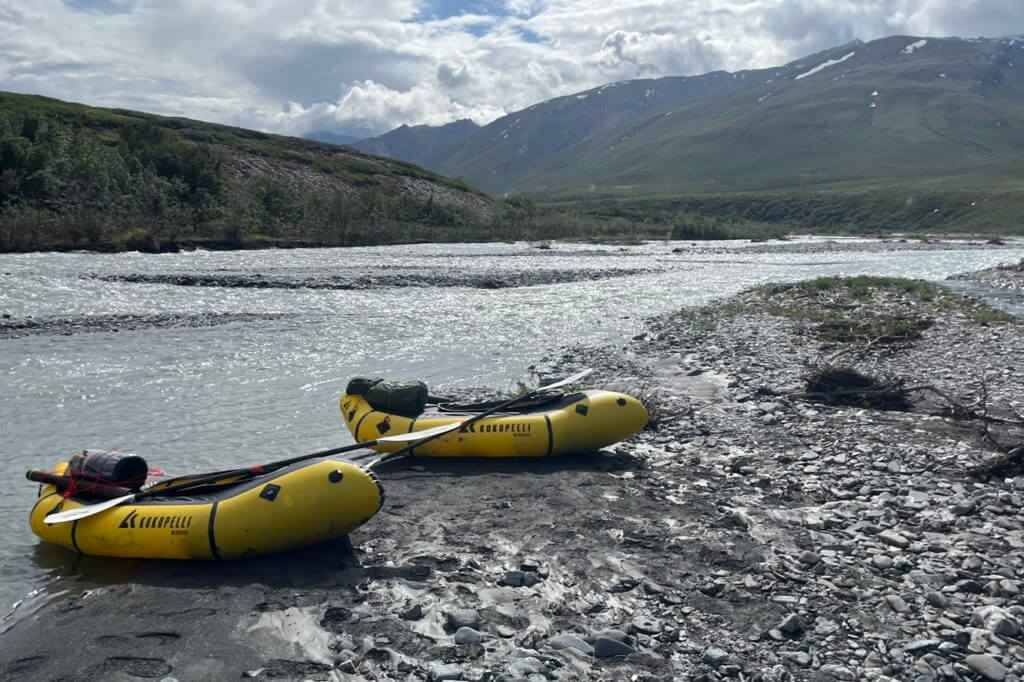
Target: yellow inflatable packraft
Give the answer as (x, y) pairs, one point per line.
(294, 507)
(577, 423)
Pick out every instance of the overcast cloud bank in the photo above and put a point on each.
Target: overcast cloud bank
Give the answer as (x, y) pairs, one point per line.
(363, 68)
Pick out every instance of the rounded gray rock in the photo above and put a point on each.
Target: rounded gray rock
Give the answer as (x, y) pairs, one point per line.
(524, 667)
(570, 641)
(459, 618)
(986, 666)
(792, 625)
(466, 635)
(445, 671)
(714, 656)
(605, 647)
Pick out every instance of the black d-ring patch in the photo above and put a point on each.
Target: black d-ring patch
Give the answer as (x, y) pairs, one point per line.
(581, 409)
(269, 492)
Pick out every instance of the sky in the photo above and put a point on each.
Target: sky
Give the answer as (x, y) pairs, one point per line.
(362, 67)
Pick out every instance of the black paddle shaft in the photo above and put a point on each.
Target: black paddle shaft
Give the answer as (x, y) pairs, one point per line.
(245, 472)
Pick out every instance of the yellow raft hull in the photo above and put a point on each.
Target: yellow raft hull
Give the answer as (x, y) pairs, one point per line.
(579, 423)
(299, 506)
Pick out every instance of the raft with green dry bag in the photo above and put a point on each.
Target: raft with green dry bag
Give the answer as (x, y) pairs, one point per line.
(541, 425)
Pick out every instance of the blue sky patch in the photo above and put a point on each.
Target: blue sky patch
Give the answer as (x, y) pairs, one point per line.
(445, 9)
(529, 36)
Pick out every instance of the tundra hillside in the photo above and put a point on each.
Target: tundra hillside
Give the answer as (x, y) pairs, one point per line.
(73, 176)
(79, 177)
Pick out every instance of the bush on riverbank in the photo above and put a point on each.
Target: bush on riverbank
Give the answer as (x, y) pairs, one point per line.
(709, 227)
(863, 210)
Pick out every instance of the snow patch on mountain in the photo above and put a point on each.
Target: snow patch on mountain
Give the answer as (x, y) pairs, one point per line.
(825, 65)
(909, 49)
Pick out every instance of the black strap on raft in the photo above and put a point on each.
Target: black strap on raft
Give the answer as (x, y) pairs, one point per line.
(91, 468)
(483, 406)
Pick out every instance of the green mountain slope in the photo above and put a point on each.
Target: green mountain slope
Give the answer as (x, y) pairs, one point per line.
(77, 176)
(896, 110)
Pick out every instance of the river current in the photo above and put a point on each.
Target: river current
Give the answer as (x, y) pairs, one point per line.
(252, 391)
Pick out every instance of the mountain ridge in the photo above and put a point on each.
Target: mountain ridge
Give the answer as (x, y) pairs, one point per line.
(942, 107)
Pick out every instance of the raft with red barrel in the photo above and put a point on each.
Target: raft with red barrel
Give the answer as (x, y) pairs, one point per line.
(229, 518)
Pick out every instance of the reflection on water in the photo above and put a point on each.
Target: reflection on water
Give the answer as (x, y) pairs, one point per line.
(252, 391)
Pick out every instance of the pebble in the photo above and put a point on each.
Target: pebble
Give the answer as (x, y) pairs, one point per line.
(445, 671)
(415, 612)
(522, 667)
(937, 599)
(605, 647)
(969, 586)
(714, 656)
(963, 508)
(617, 635)
(570, 641)
(919, 645)
(881, 561)
(839, 672)
(466, 635)
(801, 658)
(996, 620)
(792, 625)
(891, 537)
(986, 666)
(458, 618)
(896, 603)
(519, 579)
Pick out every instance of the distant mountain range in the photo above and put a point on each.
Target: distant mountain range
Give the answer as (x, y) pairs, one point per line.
(331, 138)
(896, 109)
(415, 143)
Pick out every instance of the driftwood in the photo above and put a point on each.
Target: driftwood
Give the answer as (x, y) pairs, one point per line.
(1009, 463)
(847, 386)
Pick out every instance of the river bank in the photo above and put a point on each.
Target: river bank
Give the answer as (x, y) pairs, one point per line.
(754, 535)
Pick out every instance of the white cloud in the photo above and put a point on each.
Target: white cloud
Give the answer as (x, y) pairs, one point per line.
(363, 68)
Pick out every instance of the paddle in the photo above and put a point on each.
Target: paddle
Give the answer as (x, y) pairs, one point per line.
(195, 482)
(391, 456)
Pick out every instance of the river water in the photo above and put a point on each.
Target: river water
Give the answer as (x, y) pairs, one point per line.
(190, 399)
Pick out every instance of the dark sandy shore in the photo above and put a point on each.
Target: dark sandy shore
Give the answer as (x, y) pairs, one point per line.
(754, 535)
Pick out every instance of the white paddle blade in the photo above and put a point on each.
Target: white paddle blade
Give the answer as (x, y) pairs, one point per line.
(82, 512)
(566, 381)
(419, 435)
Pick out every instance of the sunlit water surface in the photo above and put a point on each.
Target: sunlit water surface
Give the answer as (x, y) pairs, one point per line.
(245, 393)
